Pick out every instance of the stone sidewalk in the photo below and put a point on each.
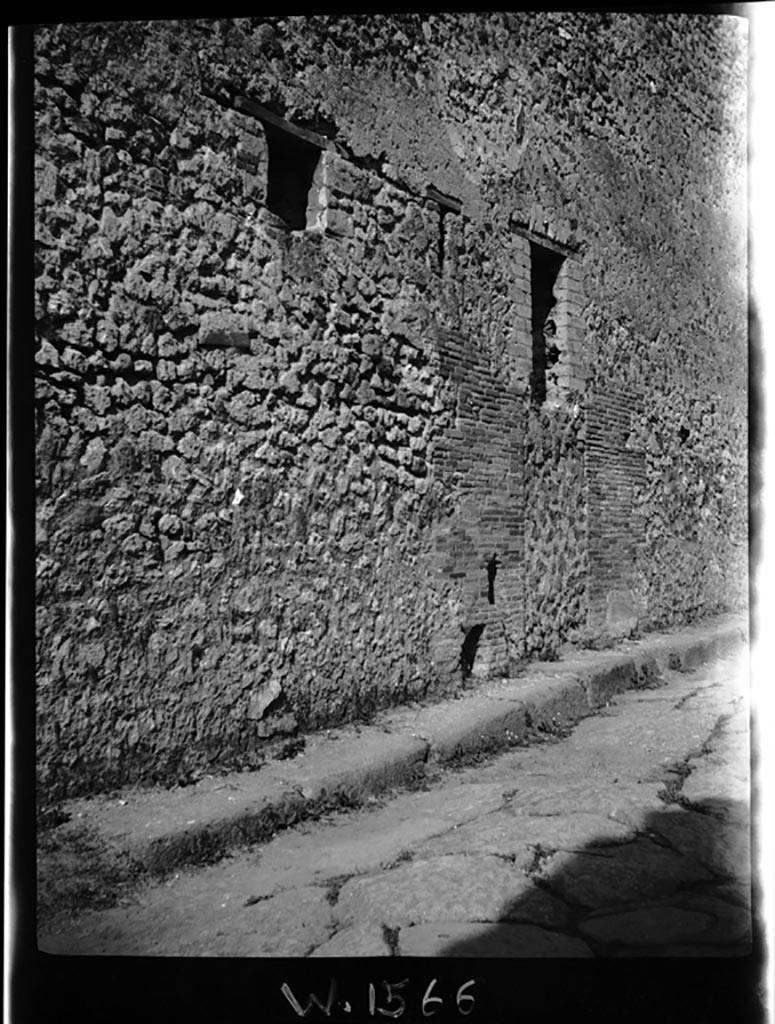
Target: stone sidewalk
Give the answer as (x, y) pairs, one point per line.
(627, 836)
(164, 829)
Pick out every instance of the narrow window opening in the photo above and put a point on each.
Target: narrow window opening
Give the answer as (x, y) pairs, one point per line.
(545, 267)
(292, 165)
(492, 571)
(445, 204)
(442, 241)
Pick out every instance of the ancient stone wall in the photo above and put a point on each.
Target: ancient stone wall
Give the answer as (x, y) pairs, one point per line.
(557, 578)
(292, 460)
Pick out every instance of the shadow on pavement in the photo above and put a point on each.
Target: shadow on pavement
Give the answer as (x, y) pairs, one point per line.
(680, 888)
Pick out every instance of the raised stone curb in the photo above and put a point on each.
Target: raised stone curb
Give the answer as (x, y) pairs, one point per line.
(165, 829)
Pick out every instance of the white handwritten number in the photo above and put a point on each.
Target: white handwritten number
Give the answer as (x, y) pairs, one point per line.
(391, 990)
(465, 1002)
(313, 1000)
(428, 998)
(462, 996)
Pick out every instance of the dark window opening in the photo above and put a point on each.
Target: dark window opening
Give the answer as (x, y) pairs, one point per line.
(445, 205)
(545, 267)
(442, 241)
(492, 571)
(292, 165)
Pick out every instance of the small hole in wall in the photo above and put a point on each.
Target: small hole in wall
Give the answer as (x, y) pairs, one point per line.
(469, 649)
(292, 165)
(683, 435)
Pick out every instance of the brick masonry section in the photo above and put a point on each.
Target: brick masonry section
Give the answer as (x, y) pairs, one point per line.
(290, 468)
(615, 479)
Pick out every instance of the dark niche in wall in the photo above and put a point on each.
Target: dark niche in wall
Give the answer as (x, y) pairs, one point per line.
(292, 165)
(545, 267)
(469, 648)
(445, 204)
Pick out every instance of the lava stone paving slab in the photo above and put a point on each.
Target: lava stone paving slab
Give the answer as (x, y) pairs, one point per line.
(630, 727)
(536, 906)
(462, 888)
(366, 840)
(454, 938)
(289, 924)
(492, 834)
(611, 875)
(732, 923)
(358, 940)
(507, 835)
(600, 793)
(721, 846)
(716, 786)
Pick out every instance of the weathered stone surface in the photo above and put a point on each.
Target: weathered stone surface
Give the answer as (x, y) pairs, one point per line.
(462, 888)
(454, 938)
(364, 841)
(732, 923)
(360, 940)
(638, 870)
(598, 793)
(507, 835)
(414, 516)
(290, 924)
(718, 789)
(723, 846)
(537, 906)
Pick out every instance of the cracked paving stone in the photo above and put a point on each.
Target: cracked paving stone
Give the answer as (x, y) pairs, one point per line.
(505, 835)
(572, 830)
(717, 786)
(722, 846)
(555, 796)
(359, 940)
(616, 874)
(460, 887)
(732, 923)
(289, 924)
(632, 731)
(495, 834)
(458, 938)
(536, 906)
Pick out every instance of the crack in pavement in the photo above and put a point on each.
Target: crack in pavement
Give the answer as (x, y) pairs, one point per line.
(540, 855)
(390, 935)
(671, 792)
(334, 886)
(687, 697)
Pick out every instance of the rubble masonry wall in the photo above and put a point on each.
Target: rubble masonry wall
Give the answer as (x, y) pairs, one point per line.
(287, 477)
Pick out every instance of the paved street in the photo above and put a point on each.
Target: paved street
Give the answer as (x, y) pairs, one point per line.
(629, 837)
